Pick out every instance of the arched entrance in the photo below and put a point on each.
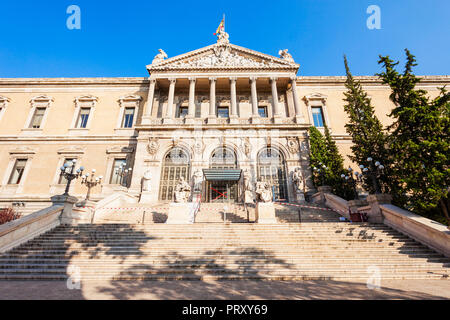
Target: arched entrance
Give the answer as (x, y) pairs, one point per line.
(222, 159)
(176, 164)
(272, 169)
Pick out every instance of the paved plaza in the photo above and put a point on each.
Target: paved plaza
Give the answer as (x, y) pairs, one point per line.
(218, 290)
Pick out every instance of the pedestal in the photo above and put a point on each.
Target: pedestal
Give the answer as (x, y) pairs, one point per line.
(212, 120)
(322, 191)
(375, 200)
(180, 213)
(83, 212)
(265, 213)
(277, 119)
(234, 120)
(146, 120)
(146, 197)
(299, 119)
(300, 197)
(67, 216)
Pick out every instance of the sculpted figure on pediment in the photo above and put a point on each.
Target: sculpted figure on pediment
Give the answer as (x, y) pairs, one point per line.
(160, 56)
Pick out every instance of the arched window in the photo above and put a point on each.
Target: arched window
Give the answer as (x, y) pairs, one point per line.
(272, 169)
(175, 165)
(223, 158)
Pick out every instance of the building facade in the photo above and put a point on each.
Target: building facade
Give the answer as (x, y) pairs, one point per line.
(220, 107)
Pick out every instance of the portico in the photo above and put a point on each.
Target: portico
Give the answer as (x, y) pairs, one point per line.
(221, 100)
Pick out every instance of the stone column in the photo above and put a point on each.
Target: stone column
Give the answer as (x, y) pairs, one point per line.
(191, 111)
(148, 109)
(255, 114)
(234, 112)
(169, 111)
(276, 105)
(212, 117)
(298, 110)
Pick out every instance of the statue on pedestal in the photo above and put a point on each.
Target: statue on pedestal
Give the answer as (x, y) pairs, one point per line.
(299, 185)
(298, 179)
(264, 191)
(146, 180)
(248, 192)
(198, 179)
(182, 191)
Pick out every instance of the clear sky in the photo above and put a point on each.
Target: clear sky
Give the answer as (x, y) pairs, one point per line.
(118, 38)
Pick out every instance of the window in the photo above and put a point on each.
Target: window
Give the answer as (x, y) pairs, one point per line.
(37, 118)
(222, 112)
(128, 117)
(182, 112)
(62, 179)
(272, 169)
(175, 165)
(116, 177)
(17, 173)
(83, 117)
(262, 111)
(223, 158)
(317, 115)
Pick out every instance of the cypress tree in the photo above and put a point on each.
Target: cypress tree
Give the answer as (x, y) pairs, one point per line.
(368, 136)
(324, 151)
(420, 137)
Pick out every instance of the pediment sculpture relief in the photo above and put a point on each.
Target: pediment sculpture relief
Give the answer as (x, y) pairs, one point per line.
(223, 56)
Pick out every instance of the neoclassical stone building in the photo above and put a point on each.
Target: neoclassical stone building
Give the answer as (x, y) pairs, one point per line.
(221, 107)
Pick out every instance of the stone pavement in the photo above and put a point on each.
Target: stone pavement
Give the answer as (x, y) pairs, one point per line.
(207, 290)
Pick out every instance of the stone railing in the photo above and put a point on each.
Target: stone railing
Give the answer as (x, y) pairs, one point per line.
(426, 231)
(14, 233)
(338, 204)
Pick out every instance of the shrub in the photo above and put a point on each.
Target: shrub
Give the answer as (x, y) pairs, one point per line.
(8, 214)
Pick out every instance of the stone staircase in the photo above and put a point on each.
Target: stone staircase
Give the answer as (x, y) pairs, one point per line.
(236, 213)
(225, 251)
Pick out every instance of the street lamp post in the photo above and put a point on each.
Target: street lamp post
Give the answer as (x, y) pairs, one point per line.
(374, 171)
(90, 181)
(123, 173)
(353, 181)
(67, 172)
(321, 172)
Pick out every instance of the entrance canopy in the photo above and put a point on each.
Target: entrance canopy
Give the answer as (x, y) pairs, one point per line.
(222, 174)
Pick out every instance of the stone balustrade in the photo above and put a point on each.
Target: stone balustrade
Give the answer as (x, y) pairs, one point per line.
(14, 233)
(426, 231)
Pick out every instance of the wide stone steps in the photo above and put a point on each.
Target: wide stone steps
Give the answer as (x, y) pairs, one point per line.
(321, 247)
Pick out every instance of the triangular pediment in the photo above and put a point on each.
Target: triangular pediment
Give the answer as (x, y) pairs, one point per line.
(223, 56)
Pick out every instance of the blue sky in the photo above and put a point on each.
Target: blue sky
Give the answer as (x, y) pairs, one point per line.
(118, 38)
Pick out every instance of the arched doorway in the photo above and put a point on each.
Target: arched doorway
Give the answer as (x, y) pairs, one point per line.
(220, 191)
(272, 169)
(175, 165)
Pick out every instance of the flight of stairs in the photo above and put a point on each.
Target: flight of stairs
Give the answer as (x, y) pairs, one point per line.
(236, 213)
(225, 251)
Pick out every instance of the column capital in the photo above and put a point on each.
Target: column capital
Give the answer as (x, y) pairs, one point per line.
(293, 78)
(172, 80)
(192, 79)
(273, 78)
(152, 80)
(233, 79)
(252, 79)
(213, 79)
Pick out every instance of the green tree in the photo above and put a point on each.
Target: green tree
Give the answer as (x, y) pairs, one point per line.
(369, 137)
(420, 137)
(324, 152)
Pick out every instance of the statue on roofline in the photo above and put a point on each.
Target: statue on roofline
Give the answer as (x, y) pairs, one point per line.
(160, 56)
(285, 55)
